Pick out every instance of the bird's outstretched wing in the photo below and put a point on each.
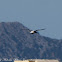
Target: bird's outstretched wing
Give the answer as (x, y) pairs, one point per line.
(26, 29)
(40, 29)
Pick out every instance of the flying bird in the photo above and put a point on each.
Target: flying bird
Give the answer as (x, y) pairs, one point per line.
(34, 31)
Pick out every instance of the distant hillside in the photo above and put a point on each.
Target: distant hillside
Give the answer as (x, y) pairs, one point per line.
(18, 43)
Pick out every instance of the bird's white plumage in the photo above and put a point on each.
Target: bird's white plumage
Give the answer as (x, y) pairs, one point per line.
(32, 32)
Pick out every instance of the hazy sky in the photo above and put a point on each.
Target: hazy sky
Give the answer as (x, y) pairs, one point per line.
(34, 14)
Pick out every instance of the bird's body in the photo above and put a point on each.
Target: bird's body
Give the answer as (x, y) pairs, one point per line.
(32, 32)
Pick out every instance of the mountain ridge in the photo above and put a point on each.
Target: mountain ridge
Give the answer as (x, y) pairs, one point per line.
(18, 43)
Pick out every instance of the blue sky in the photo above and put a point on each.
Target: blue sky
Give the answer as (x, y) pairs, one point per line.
(34, 14)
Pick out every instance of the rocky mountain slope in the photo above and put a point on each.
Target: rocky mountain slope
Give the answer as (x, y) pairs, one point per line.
(18, 43)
